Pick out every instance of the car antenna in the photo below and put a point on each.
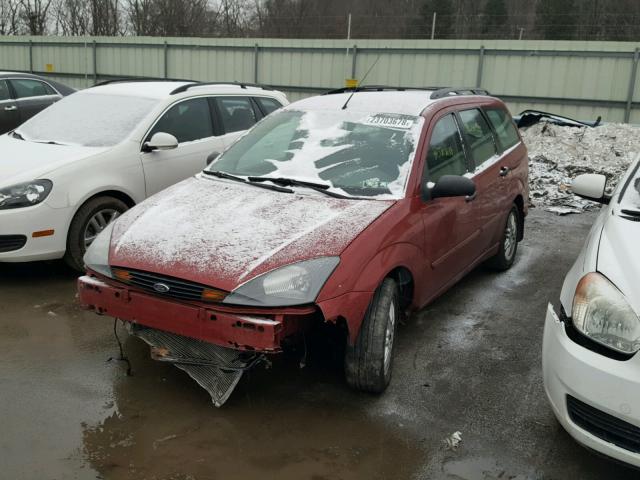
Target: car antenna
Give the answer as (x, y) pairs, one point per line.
(344, 107)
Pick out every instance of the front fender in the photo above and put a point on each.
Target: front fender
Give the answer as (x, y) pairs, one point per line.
(347, 294)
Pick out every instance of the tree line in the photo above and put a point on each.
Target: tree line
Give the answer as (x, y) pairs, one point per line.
(461, 19)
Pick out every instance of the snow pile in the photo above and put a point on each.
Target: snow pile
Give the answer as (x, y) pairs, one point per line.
(559, 154)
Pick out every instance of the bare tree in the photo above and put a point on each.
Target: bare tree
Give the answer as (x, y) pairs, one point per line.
(105, 17)
(35, 15)
(73, 17)
(9, 17)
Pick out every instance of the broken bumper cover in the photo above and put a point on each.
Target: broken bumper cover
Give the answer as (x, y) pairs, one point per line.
(246, 329)
(604, 390)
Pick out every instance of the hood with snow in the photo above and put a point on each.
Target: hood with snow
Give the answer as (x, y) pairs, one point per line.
(23, 161)
(222, 233)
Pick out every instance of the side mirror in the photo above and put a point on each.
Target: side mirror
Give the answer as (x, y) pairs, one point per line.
(212, 156)
(591, 186)
(452, 186)
(160, 141)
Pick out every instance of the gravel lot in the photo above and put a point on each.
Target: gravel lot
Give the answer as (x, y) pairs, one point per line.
(470, 363)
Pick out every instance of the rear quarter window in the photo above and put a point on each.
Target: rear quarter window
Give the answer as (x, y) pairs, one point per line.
(268, 105)
(503, 125)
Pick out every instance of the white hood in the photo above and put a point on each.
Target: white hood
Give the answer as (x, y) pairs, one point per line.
(619, 257)
(22, 161)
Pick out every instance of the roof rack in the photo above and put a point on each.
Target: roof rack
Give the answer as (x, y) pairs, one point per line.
(139, 79)
(184, 88)
(378, 88)
(446, 92)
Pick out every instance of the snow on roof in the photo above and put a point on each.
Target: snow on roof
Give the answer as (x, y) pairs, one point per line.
(411, 102)
(138, 89)
(162, 89)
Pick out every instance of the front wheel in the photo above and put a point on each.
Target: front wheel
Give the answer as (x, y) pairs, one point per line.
(368, 363)
(87, 223)
(506, 255)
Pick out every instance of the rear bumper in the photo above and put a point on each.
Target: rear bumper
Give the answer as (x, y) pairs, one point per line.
(251, 330)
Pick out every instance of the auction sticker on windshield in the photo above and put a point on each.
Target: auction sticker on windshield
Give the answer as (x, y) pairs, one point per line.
(390, 120)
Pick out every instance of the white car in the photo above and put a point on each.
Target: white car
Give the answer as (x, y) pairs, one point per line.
(74, 167)
(590, 353)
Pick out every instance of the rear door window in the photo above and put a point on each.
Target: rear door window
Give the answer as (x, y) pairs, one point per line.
(445, 155)
(187, 121)
(236, 113)
(25, 88)
(268, 105)
(503, 126)
(477, 135)
(4, 91)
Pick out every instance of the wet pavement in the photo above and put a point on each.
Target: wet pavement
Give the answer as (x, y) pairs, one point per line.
(470, 363)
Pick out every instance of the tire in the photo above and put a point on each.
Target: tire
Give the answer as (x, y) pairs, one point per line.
(368, 363)
(506, 255)
(88, 221)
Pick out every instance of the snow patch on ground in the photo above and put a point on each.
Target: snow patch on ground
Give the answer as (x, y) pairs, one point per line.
(559, 154)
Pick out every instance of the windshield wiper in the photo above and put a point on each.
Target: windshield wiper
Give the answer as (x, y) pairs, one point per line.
(228, 176)
(17, 135)
(291, 182)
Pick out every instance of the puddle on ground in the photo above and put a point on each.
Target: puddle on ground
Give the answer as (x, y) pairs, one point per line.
(480, 468)
(280, 424)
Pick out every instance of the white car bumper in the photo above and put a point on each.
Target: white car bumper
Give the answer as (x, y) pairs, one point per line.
(23, 223)
(609, 388)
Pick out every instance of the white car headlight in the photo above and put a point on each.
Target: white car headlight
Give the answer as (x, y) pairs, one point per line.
(24, 194)
(97, 255)
(601, 312)
(294, 284)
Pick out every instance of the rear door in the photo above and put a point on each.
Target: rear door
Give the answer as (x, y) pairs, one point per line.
(485, 163)
(32, 96)
(9, 115)
(237, 114)
(193, 123)
(451, 227)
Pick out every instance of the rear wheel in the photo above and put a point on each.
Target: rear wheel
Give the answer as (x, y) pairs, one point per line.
(508, 243)
(88, 222)
(368, 363)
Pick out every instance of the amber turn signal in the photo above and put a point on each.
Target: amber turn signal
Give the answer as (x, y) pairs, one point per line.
(211, 295)
(121, 275)
(43, 233)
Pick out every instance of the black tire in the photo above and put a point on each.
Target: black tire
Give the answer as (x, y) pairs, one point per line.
(508, 250)
(76, 235)
(365, 366)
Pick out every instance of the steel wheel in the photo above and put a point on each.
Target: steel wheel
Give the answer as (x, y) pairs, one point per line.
(511, 236)
(98, 223)
(389, 335)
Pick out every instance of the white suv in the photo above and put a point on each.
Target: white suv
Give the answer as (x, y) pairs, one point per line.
(74, 167)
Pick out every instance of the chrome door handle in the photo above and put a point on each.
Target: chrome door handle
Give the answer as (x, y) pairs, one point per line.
(13, 108)
(504, 171)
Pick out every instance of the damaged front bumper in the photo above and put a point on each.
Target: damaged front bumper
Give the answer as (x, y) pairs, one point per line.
(245, 329)
(214, 345)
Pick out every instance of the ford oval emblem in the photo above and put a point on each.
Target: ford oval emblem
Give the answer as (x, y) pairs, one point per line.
(161, 287)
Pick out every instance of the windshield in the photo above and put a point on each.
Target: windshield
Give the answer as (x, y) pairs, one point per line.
(631, 195)
(88, 119)
(355, 153)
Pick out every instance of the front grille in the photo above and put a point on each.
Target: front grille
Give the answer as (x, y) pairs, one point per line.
(604, 426)
(9, 243)
(177, 288)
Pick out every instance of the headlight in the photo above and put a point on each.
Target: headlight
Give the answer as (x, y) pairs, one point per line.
(24, 194)
(294, 284)
(97, 255)
(601, 312)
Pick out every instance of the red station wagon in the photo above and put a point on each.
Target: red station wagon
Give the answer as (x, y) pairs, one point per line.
(350, 208)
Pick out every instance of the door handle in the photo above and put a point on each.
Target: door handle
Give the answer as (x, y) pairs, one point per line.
(504, 171)
(13, 108)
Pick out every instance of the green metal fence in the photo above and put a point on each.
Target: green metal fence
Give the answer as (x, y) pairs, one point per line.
(578, 79)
